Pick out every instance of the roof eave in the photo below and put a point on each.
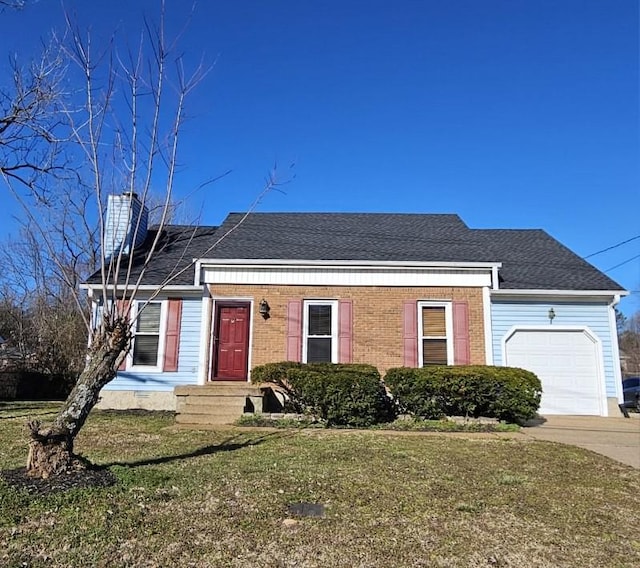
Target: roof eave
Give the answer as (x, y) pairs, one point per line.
(144, 287)
(206, 262)
(542, 292)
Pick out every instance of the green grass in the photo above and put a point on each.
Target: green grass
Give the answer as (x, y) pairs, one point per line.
(219, 498)
(402, 424)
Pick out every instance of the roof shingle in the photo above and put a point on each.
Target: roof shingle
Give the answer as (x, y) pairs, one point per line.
(531, 259)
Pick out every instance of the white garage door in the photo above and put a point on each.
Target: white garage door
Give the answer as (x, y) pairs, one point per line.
(566, 363)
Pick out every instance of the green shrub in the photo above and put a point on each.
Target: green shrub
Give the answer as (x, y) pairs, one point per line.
(341, 395)
(505, 393)
(276, 373)
(273, 372)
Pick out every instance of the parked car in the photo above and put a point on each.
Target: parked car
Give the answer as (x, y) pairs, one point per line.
(631, 392)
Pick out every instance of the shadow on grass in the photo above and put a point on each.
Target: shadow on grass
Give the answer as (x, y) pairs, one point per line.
(27, 409)
(537, 421)
(227, 446)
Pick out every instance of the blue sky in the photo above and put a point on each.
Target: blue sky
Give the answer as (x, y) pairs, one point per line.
(511, 113)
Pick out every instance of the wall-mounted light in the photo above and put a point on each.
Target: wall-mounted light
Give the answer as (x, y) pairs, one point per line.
(551, 315)
(264, 309)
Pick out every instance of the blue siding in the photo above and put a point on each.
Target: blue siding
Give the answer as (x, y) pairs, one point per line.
(507, 313)
(187, 373)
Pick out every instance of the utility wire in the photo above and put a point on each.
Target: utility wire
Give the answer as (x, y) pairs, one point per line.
(613, 247)
(622, 263)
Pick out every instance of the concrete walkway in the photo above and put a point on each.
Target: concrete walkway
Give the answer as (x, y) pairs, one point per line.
(616, 438)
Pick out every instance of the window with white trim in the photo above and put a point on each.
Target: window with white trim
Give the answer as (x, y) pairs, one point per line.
(147, 332)
(435, 333)
(320, 327)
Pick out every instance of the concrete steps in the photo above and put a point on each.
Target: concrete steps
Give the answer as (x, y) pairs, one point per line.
(216, 403)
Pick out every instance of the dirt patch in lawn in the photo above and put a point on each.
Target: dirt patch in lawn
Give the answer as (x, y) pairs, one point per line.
(82, 479)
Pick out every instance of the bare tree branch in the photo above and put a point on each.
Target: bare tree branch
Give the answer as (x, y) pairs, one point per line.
(119, 131)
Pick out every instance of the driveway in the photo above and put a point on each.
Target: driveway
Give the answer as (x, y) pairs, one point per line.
(616, 438)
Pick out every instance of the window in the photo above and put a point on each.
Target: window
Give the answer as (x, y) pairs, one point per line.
(146, 335)
(435, 332)
(320, 331)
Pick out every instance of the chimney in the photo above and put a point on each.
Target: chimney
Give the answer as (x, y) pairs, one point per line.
(125, 224)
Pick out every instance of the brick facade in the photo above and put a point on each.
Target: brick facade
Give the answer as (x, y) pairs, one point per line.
(377, 318)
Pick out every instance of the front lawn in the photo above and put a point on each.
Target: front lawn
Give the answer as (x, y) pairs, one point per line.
(220, 498)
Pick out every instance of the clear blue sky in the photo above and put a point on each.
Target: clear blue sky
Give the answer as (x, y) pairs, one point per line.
(511, 113)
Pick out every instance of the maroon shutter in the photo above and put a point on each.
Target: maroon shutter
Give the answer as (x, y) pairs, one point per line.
(172, 335)
(345, 331)
(461, 346)
(294, 330)
(122, 308)
(410, 334)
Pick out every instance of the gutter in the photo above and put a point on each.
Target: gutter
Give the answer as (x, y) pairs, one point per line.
(268, 262)
(144, 288)
(576, 293)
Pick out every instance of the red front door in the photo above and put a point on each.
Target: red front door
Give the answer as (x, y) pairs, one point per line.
(231, 342)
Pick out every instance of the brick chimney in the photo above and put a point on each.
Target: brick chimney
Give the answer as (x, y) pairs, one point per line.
(125, 224)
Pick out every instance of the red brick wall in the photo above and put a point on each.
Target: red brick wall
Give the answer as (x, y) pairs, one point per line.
(377, 318)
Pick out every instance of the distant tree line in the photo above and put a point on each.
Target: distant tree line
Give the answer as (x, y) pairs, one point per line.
(629, 342)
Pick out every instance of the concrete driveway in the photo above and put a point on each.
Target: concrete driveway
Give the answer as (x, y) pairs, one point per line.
(616, 438)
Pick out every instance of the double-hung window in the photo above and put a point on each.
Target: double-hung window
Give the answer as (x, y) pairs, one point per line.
(320, 326)
(147, 334)
(435, 333)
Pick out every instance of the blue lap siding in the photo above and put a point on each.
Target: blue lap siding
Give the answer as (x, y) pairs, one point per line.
(508, 313)
(189, 352)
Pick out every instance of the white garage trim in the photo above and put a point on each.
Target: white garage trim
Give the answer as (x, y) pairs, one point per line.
(615, 348)
(602, 398)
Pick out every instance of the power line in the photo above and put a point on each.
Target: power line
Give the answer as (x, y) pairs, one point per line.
(622, 263)
(613, 247)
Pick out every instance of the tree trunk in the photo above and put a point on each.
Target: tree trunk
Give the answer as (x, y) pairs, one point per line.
(51, 448)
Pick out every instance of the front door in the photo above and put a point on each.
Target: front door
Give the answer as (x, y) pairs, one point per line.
(231, 342)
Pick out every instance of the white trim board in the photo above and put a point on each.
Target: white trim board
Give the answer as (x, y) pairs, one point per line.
(204, 262)
(503, 293)
(192, 288)
(488, 328)
(346, 276)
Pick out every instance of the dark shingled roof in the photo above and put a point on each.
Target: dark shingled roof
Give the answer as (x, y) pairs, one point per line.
(531, 259)
(176, 249)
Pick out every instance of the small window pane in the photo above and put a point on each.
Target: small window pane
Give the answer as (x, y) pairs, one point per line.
(434, 351)
(149, 319)
(319, 320)
(319, 350)
(433, 321)
(145, 350)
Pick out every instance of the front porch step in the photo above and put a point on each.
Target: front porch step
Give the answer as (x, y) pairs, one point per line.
(215, 403)
(206, 419)
(234, 407)
(221, 388)
(224, 400)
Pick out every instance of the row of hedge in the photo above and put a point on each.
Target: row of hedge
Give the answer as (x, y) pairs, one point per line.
(355, 395)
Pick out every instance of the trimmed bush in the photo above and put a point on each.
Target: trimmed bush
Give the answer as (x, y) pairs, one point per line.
(505, 393)
(341, 395)
(276, 374)
(273, 372)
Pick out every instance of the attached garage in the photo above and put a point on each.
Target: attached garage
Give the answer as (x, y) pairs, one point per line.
(568, 362)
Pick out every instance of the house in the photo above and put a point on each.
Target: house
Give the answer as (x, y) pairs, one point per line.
(386, 289)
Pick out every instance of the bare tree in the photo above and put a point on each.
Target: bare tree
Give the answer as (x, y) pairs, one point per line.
(629, 339)
(15, 4)
(30, 121)
(40, 316)
(123, 136)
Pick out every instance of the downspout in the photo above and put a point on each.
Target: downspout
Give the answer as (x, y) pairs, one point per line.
(495, 283)
(488, 328)
(486, 312)
(615, 350)
(205, 336)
